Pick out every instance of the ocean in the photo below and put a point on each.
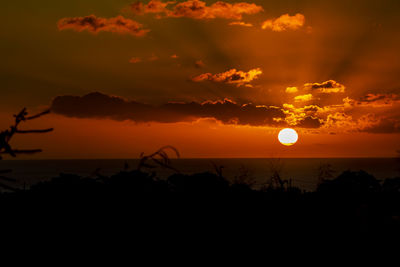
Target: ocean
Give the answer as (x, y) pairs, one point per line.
(302, 172)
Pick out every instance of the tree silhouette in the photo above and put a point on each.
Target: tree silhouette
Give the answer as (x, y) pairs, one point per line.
(7, 135)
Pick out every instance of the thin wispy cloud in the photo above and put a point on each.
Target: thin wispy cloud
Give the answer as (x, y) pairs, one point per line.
(240, 23)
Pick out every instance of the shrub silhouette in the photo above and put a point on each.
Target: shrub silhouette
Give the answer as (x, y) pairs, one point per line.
(351, 182)
(200, 183)
(135, 182)
(207, 197)
(391, 185)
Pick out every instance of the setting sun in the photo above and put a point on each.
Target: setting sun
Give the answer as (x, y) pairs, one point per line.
(288, 137)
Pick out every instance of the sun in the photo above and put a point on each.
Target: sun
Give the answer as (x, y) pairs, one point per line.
(288, 137)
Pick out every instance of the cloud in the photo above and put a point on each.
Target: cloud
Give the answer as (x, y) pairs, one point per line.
(196, 9)
(98, 105)
(153, 57)
(284, 23)
(373, 100)
(95, 25)
(305, 117)
(199, 64)
(309, 122)
(331, 119)
(303, 98)
(240, 23)
(174, 56)
(327, 87)
(291, 90)
(369, 123)
(372, 113)
(154, 6)
(384, 125)
(231, 76)
(135, 60)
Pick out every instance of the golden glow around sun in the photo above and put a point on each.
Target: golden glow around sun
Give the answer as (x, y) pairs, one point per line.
(288, 136)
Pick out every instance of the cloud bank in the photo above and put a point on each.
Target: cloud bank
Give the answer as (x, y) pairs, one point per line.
(98, 105)
(367, 114)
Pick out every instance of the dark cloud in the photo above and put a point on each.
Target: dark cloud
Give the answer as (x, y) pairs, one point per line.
(332, 119)
(374, 101)
(309, 122)
(199, 64)
(385, 125)
(330, 86)
(95, 24)
(98, 105)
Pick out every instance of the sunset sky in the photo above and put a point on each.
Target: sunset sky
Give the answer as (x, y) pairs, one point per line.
(213, 79)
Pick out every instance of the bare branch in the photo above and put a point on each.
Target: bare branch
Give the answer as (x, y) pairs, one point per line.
(160, 157)
(171, 148)
(8, 187)
(7, 179)
(34, 131)
(22, 151)
(5, 171)
(6, 136)
(38, 115)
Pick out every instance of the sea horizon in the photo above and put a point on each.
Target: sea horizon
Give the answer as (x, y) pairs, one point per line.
(194, 158)
(302, 171)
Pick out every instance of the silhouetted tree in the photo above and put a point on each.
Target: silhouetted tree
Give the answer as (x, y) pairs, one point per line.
(7, 135)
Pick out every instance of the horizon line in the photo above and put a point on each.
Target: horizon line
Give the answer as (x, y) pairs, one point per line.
(203, 158)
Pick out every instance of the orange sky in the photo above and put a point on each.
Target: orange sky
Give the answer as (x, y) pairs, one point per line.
(214, 79)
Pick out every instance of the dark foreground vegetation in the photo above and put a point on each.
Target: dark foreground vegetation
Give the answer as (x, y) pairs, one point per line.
(352, 202)
(203, 203)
